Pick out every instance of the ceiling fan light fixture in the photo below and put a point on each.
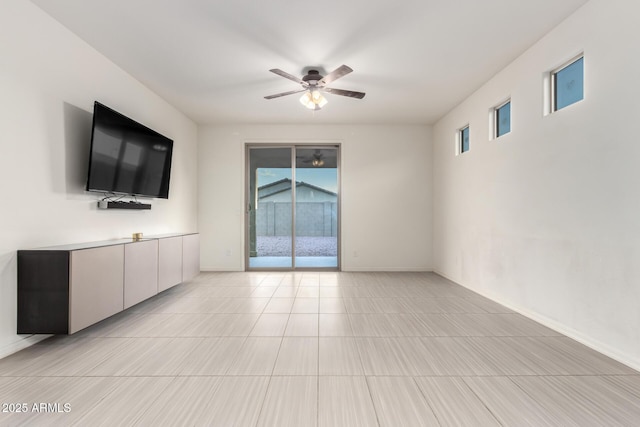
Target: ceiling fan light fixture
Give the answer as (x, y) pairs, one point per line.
(313, 99)
(317, 162)
(313, 84)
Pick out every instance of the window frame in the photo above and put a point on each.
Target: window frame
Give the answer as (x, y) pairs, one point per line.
(460, 139)
(553, 82)
(496, 119)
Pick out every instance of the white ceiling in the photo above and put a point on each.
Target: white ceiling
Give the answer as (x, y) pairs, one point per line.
(415, 59)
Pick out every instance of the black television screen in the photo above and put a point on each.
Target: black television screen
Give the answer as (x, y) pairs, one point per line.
(127, 157)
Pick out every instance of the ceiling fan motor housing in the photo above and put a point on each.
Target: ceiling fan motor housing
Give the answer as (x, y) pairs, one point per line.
(312, 76)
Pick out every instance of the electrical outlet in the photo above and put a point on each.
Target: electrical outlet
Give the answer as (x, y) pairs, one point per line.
(355, 254)
(228, 252)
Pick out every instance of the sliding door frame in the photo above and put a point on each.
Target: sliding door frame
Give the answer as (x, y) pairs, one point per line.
(247, 201)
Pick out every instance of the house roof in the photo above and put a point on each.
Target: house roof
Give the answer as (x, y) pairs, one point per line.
(288, 188)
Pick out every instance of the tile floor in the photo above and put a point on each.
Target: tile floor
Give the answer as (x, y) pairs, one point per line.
(309, 349)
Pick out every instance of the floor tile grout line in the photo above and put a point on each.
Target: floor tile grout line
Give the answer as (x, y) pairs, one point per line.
(375, 410)
(318, 378)
(424, 398)
(603, 376)
(495, 416)
(355, 341)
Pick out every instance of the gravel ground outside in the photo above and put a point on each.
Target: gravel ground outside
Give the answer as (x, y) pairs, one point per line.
(305, 246)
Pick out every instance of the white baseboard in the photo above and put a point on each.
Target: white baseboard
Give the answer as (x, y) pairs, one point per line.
(21, 344)
(386, 270)
(559, 327)
(346, 270)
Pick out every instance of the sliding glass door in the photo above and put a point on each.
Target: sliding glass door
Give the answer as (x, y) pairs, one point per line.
(270, 213)
(316, 202)
(292, 207)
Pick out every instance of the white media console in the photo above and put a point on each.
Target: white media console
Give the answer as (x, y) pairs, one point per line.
(64, 289)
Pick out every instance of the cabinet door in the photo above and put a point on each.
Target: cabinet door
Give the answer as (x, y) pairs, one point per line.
(43, 292)
(140, 271)
(169, 262)
(190, 256)
(96, 285)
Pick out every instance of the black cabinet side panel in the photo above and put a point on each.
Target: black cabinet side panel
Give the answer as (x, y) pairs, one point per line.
(43, 292)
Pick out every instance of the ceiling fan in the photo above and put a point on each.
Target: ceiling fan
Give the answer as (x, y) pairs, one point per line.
(313, 84)
(316, 160)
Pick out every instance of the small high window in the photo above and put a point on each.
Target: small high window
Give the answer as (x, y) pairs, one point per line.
(463, 135)
(502, 117)
(567, 84)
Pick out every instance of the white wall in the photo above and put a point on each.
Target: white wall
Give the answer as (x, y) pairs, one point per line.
(49, 79)
(546, 219)
(390, 163)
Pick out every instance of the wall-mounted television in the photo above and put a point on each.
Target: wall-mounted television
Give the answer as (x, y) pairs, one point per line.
(127, 157)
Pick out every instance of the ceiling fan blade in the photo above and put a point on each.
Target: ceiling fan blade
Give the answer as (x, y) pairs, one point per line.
(341, 71)
(278, 95)
(349, 93)
(288, 76)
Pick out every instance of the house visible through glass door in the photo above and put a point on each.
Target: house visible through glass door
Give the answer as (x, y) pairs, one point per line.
(293, 207)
